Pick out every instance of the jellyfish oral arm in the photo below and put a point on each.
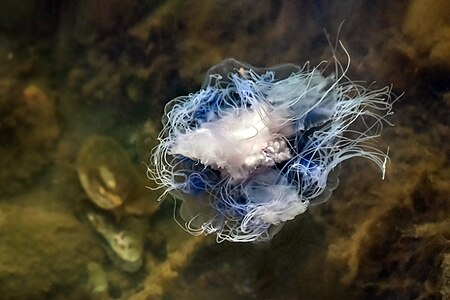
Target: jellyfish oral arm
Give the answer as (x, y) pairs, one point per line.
(239, 142)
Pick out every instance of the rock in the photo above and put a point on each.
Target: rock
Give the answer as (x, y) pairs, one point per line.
(42, 252)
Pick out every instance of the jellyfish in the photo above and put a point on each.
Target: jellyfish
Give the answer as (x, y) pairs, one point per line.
(255, 147)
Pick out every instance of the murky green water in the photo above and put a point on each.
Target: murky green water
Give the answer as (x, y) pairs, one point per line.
(83, 85)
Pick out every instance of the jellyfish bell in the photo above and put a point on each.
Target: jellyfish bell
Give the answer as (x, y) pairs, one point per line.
(254, 147)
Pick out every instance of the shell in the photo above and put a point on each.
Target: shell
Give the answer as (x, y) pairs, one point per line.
(106, 173)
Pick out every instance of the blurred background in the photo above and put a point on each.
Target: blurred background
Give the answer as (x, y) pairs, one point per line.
(83, 84)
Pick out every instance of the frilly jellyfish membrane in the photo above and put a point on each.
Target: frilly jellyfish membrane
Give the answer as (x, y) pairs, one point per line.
(254, 147)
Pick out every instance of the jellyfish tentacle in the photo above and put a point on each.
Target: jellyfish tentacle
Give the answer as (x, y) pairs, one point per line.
(255, 147)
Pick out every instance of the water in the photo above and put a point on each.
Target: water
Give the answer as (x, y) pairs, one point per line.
(76, 221)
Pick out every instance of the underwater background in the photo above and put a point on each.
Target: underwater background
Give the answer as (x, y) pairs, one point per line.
(83, 85)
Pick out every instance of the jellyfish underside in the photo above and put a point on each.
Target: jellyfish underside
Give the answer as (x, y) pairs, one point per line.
(256, 146)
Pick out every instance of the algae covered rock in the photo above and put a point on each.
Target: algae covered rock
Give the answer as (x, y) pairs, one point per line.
(427, 24)
(42, 252)
(28, 132)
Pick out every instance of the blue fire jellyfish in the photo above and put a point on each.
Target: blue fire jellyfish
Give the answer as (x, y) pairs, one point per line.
(254, 147)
